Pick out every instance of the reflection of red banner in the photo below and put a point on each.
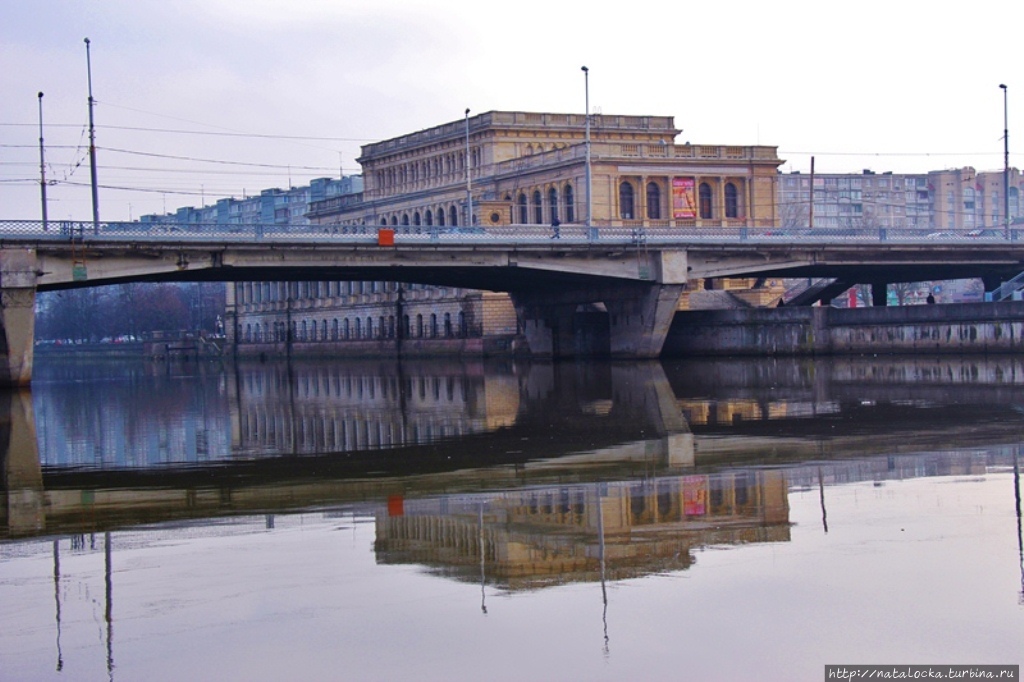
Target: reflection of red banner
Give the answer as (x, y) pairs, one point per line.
(695, 495)
(684, 203)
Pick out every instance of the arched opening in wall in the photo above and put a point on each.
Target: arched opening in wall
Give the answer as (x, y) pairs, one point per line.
(653, 201)
(538, 208)
(383, 221)
(312, 331)
(358, 331)
(406, 327)
(346, 329)
(394, 220)
(416, 218)
(334, 329)
(323, 329)
(553, 205)
(305, 331)
(248, 333)
(626, 200)
(463, 325)
(704, 200)
(293, 332)
(569, 199)
(405, 218)
(429, 218)
(440, 217)
(523, 214)
(453, 216)
(448, 331)
(382, 327)
(732, 201)
(419, 326)
(369, 327)
(433, 325)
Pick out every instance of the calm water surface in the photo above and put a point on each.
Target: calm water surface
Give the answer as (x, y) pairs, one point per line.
(727, 520)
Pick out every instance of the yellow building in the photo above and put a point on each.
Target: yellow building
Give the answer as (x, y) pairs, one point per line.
(523, 168)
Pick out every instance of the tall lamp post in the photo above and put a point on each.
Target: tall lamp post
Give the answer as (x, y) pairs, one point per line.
(1006, 161)
(469, 181)
(586, 90)
(42, 164)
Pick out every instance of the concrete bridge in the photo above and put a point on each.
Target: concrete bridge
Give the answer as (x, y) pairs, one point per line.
(637, 274)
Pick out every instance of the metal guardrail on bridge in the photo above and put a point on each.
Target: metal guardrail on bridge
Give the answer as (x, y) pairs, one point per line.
(610, 234)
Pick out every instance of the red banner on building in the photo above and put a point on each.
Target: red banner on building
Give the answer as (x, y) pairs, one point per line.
(684, 201)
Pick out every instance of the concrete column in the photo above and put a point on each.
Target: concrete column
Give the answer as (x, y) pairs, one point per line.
(23, 512)
(879, 294)
(547, 326)
(640, 320)
(17, 315)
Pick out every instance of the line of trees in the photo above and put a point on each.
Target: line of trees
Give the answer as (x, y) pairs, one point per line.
(136, 309)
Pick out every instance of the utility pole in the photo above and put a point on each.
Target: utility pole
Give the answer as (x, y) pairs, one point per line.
(92, 147)
(1006, 162)
(469, 181)
(586, 92)
(42, 164)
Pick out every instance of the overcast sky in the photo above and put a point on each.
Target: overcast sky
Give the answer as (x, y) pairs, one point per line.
(201, 99)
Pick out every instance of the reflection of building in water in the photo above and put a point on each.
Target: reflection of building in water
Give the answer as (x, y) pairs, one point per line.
(330, 408)
(535, 537)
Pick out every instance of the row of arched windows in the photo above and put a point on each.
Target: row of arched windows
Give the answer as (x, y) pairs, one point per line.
(440, 216)
(705, 201)
(541, 208)
(419, 327)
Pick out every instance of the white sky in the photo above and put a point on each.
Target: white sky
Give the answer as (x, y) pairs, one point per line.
(298, 85)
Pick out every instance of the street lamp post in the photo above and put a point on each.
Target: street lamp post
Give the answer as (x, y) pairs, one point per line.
(586, 89)
(42, 164)
(1006, 161)
(469, 181)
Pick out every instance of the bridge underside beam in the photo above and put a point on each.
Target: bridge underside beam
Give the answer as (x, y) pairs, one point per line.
(639, 317)
(17, 316)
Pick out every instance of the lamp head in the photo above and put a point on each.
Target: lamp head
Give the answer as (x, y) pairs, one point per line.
(584, 69)
(1003, 86)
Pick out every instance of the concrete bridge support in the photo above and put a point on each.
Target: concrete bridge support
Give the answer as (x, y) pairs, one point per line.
(17, 315)
(639, 317)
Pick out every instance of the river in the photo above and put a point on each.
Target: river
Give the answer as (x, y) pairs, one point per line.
(438, 520)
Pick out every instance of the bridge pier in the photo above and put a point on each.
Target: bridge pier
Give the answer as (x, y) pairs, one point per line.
(17, 315)
(639, 317)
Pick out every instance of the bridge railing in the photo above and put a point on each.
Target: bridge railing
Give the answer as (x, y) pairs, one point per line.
(624, 233)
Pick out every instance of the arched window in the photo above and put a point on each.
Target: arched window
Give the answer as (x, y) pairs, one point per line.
(732, 201)
(463, 325)
(323, 330)
(448, 332)
(334, 329)
(440, 217)
(430, 218)
(394, 220)
(653, 201)
(570, 209)
(305, 331)
(453, 216)
(383, 221)
(358, 332)
(523, 215)
(626, 211)
(538, 208)
(704, 198)
(405, 218)
(553, 204)
(346, 329)
(312, 331)
(416, 218)
(433, 325)
(419, 326)
(369, 327)
(248, 333)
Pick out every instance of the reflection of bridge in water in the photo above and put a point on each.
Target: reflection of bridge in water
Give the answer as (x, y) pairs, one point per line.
(268, 439)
